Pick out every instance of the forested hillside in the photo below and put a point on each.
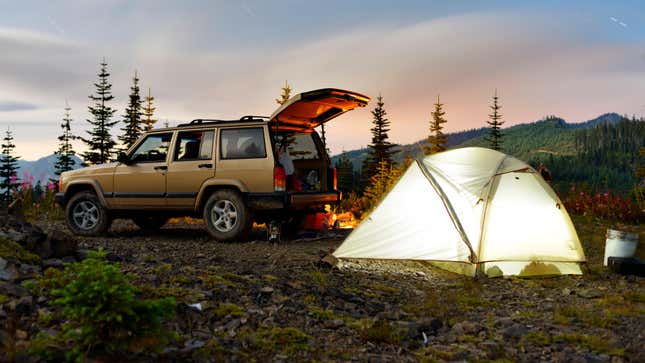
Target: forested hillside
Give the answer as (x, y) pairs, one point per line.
(606, 159)
(598, 154)
(550, 136)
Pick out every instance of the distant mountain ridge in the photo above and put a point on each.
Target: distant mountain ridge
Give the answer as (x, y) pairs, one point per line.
(549, 135)
(42, 169)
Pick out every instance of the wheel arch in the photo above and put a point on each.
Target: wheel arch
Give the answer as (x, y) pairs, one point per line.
(84, 185)
(211, 186)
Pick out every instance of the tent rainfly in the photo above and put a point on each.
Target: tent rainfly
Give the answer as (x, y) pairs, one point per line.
(473, 211)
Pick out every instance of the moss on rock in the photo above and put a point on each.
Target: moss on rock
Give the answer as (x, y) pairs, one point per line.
(10, 250)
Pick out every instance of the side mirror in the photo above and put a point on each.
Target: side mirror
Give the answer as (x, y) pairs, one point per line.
(124, 159)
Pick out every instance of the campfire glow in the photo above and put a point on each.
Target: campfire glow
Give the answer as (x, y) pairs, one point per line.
(345, 220)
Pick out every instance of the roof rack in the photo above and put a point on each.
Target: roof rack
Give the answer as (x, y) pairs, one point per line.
(250, 117)
(201, 121)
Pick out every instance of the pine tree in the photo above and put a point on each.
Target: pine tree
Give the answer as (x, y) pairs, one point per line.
(65, 152)
(8, 168)
(148, 112)
(286, 94)
(495, 134)
(380, 183)
(132, 118)
(100, 143)
(380, 150)
(345, 173)
(437, 140)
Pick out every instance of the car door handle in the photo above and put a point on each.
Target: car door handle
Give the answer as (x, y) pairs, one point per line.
(203, 166)
(161, 167)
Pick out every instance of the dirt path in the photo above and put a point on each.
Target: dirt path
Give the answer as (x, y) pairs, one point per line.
(269, 302)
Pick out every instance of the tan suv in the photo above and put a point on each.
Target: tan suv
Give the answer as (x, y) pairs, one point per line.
(231, 173)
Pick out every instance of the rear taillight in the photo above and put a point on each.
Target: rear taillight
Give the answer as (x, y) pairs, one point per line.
(335, 179)
(279, 179)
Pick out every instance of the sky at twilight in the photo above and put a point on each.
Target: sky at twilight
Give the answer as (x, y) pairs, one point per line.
(225, 59)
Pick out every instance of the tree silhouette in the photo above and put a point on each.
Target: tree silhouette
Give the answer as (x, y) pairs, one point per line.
(495, 123)
(100, 143)
(148, 112)
(380, 150)
(286, 94)
(437, 140)
(8, 168)
(65, 152)
(132, 118)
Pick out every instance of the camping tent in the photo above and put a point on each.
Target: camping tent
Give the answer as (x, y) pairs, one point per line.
(471, 210)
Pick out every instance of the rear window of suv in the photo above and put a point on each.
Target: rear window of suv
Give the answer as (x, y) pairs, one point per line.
(242, 143)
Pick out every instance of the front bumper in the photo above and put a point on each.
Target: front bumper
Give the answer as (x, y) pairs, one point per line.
(60, 199)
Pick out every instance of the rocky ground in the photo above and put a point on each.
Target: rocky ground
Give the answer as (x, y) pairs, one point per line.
(277, 302)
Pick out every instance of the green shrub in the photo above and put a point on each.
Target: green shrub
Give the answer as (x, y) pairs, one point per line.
(320, 313)
(102, 314)
(226, 309)
(288, 340)
(594, 343)
(378, 332)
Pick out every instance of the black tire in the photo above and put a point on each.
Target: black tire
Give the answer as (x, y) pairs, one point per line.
(226, 216)
(85, 215)
(151, 223)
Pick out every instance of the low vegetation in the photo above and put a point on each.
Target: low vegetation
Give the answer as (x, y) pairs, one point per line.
(101, 312)
(10, 250)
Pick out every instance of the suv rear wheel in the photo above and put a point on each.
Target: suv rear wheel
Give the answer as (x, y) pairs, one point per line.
(85, 215)
(226, 216)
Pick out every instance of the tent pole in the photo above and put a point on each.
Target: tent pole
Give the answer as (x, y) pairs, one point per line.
(451, 212)
(482, 228)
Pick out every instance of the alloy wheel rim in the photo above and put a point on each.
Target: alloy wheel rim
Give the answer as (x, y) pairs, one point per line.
(85, 215)
(224, 215)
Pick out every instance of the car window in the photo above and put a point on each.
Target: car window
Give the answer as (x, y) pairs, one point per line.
(154, 148)
(302, 147)
(194, 145)
(243, 143)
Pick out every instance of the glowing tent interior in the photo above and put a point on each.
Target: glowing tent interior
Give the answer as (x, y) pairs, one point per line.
(474, 211)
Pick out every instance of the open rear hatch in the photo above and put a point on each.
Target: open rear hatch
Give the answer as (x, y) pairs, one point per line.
(305, 111)
(294, 122)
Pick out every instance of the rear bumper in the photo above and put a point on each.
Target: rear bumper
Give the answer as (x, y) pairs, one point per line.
(282, 200)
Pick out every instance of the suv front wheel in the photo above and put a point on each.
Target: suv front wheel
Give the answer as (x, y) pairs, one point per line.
(226, 216)
(85, 215)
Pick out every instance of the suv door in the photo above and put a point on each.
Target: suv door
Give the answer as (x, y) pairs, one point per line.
(142, 183)
(191, 164)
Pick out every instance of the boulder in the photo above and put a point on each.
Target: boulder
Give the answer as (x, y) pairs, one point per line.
(328, 261)
(54, 244)
(8, 270)
(11, 289)
(61, 244)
